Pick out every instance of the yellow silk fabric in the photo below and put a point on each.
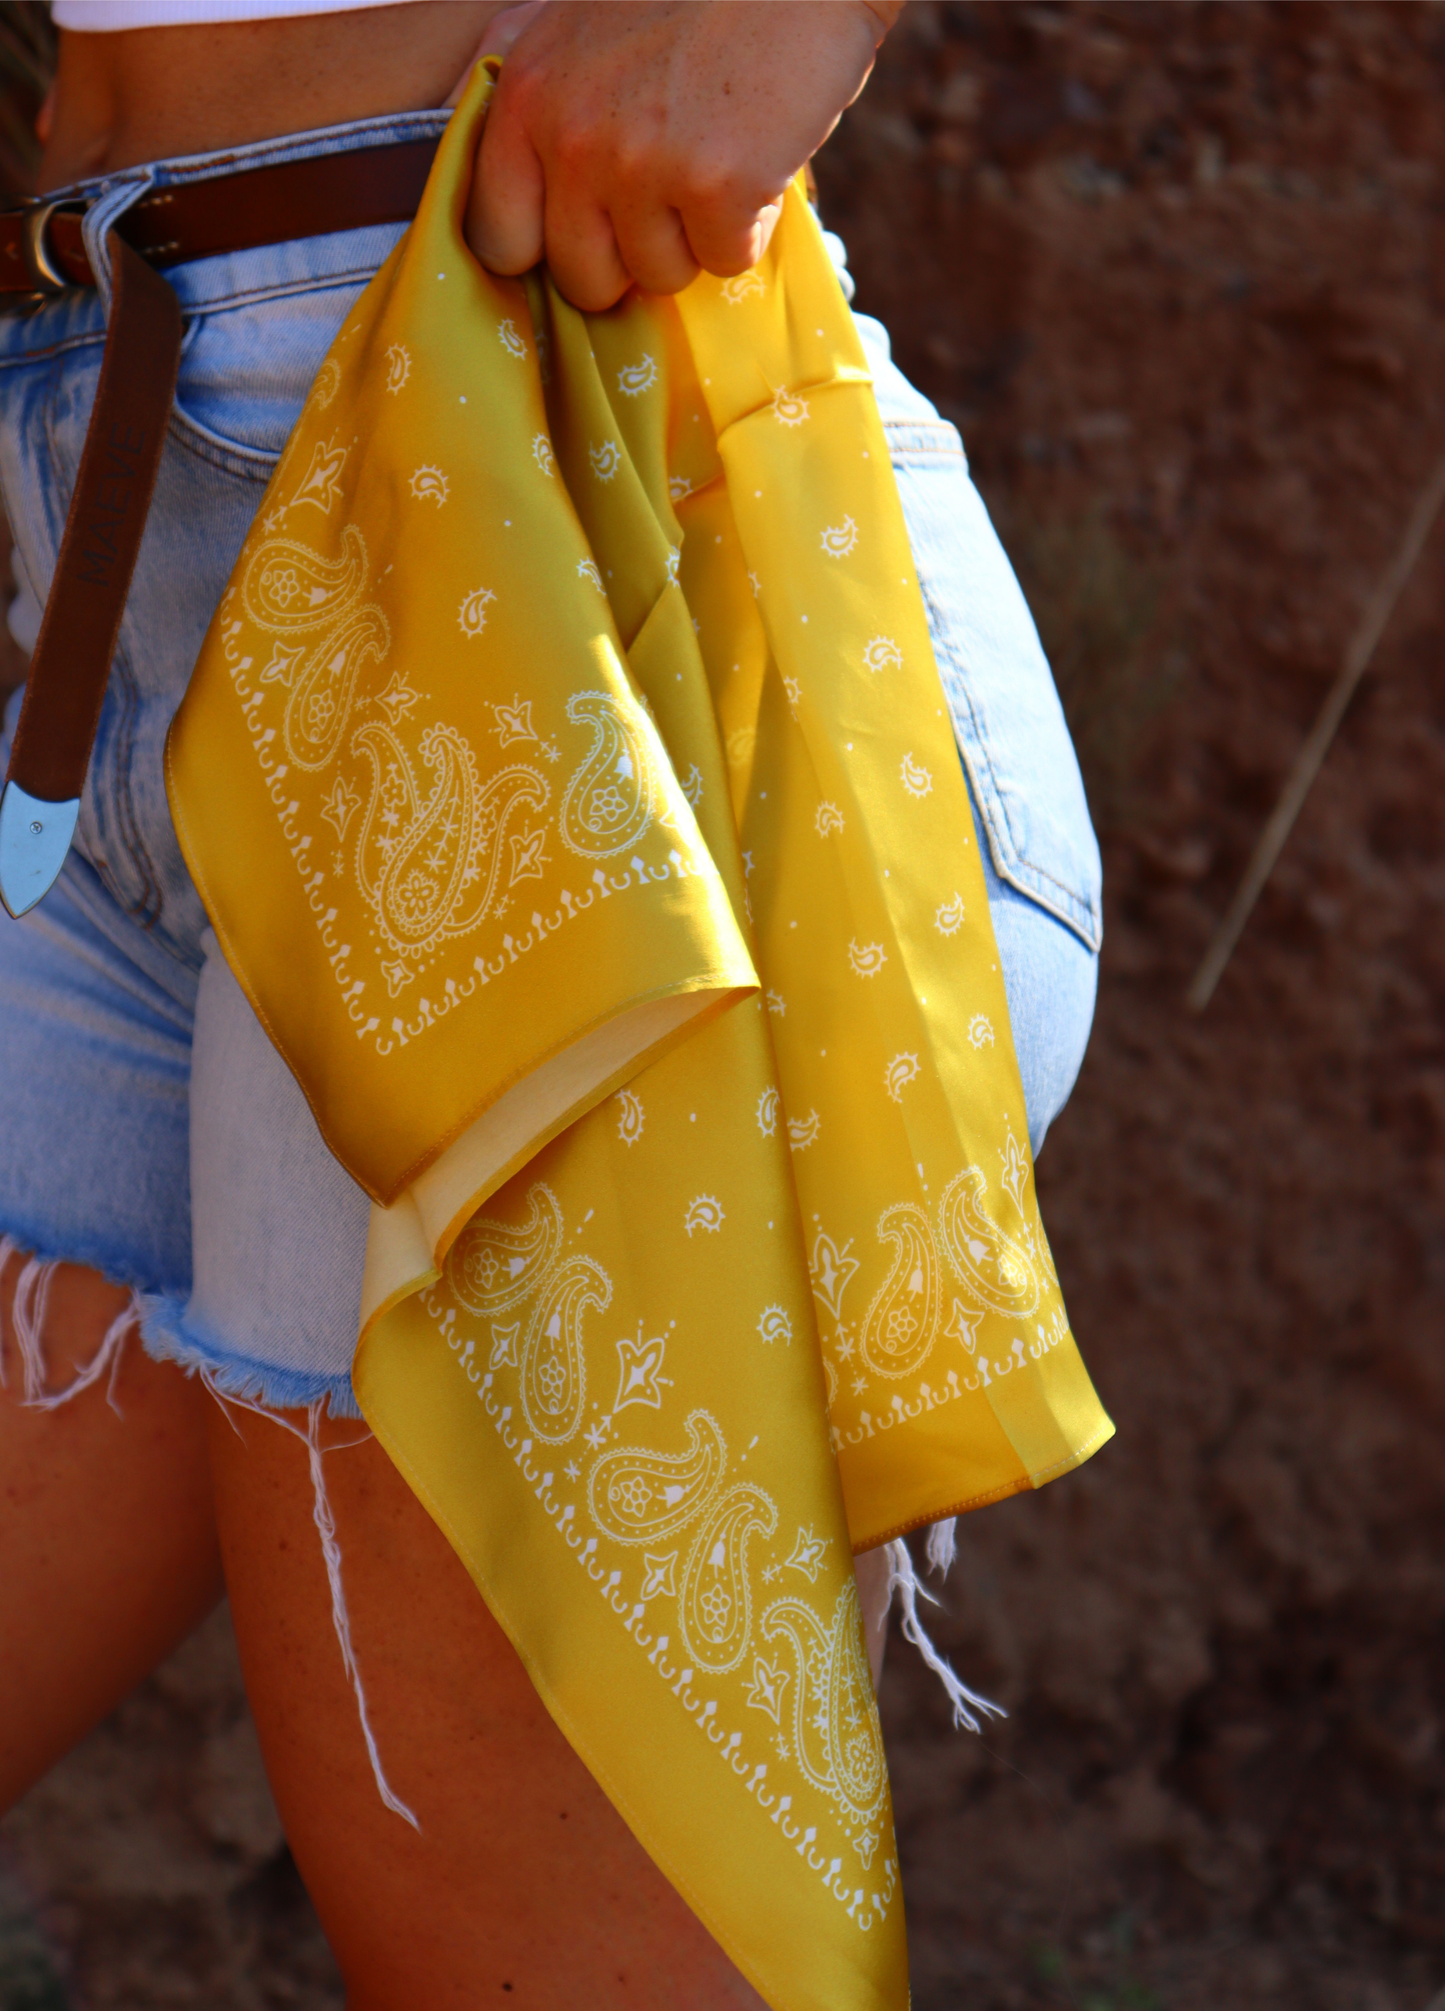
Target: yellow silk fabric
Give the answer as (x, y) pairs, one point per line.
(569, 782)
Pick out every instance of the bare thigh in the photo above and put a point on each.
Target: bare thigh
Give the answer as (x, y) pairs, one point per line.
(108, 1551)
(523, 1879)
(523, 1874)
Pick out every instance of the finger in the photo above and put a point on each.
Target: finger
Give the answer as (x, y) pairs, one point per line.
(582, 251)
(506, 209)
(726, 245)
(655, 251)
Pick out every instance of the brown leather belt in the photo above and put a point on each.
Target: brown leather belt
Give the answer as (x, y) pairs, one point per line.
(42, 252)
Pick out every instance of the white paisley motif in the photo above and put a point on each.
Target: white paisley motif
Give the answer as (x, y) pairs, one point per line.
(611, 798)
(317, 605)
(803, 1131)
(554, 1361)
(430, 485)
(472, 614)
(902, 1322)
(430, 864)
(835, 1722)
(883, 653)
(635, 1495)
(993, 1269)
(827, 819)
(494, 1265)
(715, 1610)
(706, 1212)
(636, 378)
(902, 1070)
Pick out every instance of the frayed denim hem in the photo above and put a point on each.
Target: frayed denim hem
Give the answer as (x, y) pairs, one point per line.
(168, 1336)
(88, 1257)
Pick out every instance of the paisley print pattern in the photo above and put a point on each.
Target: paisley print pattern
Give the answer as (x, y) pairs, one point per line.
(715, 1613)
(647, 1497)
(431, 865)
(493, 1266)
(609, 799)
(992, 1268)
(554, 1367)
(835, 1726)
(291, 592)
(902, 1322)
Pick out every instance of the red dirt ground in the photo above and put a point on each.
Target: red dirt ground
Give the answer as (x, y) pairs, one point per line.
(1176, 271)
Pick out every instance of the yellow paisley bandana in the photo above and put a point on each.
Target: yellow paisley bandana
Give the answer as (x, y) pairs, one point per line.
(568, 780)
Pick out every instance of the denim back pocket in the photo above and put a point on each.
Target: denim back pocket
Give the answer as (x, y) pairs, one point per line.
(1005, 708)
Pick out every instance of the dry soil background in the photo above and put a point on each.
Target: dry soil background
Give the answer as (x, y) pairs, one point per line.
(1176, 271)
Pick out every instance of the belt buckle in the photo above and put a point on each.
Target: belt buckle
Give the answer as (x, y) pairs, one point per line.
(44, 274)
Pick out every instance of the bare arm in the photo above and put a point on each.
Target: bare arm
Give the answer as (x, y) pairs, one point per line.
(637, 141)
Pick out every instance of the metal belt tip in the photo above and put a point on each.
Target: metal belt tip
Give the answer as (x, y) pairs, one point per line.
(34, 839)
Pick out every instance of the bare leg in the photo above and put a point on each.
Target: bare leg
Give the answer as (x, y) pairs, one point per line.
(108, 1553)
(108, 1558)
(522, 1873)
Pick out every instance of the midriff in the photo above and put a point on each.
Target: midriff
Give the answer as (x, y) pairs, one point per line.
(150, 93)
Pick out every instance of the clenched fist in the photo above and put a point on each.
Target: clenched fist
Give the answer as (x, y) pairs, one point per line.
(634, 142)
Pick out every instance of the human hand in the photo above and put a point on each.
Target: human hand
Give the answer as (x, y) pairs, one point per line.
(634, 142)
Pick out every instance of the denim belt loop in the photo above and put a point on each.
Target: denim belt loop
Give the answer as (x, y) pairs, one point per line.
(110, 204)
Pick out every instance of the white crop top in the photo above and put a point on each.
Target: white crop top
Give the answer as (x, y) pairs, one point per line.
(95, 17)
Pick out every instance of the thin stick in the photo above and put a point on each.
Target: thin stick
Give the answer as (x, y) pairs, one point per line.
(1311, 756)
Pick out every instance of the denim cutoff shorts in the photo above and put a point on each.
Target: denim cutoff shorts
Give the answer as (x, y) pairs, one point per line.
(147, 1126)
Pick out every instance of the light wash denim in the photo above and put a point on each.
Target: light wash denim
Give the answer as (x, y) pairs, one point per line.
(147, 1126)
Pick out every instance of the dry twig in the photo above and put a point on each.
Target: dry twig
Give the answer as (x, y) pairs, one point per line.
(1311, 756)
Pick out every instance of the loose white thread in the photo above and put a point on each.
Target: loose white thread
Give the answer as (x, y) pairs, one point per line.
(107, 1356)
(8, 1248)
(27, 1312)
(942, 1546)
(903, 1581)
(331, 1551)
